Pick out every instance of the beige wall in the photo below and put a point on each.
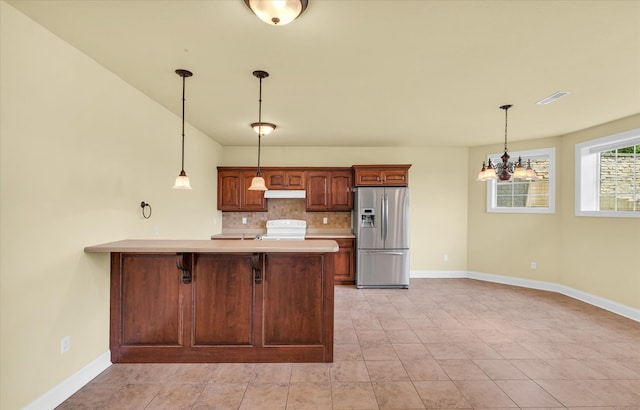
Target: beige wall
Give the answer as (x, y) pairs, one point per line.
(80, 149)
(593, 255)
(438, 201)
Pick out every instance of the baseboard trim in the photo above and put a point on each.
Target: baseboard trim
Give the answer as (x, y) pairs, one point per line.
(606, 304)
(438, 274)
(73, 383)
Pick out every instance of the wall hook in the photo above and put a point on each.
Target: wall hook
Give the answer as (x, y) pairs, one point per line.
(145, 205)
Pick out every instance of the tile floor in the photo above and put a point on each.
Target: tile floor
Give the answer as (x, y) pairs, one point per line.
(442, 344)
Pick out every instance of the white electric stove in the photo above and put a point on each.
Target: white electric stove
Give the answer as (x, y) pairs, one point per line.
(285, 229)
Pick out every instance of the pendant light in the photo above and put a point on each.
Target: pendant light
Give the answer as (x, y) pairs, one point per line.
(505, 170)
(182, 181)
(277, 12)
(262, 128)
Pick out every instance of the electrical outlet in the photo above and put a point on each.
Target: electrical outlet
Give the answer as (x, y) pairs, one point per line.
(65, 344)
(534, 265)
(156, 230)
(325, 220)
(445, 257)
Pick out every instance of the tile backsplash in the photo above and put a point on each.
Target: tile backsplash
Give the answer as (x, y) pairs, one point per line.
(286, 208)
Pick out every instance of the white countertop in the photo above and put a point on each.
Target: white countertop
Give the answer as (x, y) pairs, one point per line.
(311, 233)
(218, 246)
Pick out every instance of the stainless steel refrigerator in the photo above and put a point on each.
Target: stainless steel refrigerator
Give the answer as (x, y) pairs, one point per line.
(381, 226)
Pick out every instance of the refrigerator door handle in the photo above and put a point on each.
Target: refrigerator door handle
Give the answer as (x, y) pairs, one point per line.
(384, 253)
(385, 215)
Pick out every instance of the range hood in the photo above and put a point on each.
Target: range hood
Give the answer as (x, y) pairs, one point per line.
(285, 193)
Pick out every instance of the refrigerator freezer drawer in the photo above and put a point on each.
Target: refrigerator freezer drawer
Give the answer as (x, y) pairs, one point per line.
(378, 268)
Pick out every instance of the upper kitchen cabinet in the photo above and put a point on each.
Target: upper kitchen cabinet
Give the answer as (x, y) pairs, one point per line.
(233, 191)
(329, 189)
(381, 175)
(284, 179)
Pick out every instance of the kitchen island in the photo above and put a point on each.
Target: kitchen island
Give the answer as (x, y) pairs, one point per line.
(221, 301)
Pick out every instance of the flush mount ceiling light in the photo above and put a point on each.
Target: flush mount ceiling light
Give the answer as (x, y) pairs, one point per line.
(277, 12)
(262, 128)
(505, 170)
(182, 181)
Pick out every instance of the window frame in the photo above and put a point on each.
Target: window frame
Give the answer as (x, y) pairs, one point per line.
(587, 182)
(492, 199)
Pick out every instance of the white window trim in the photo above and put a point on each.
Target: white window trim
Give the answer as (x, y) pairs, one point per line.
(491, 185)
(587, 158)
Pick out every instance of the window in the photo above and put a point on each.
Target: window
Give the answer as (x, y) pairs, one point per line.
(608, 176)
(521, 196)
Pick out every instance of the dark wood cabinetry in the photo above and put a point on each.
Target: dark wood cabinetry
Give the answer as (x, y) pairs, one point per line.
(329, 190)
(236, 307)
(284, 179)
(233, 191)
(344, 261)
(381, 175)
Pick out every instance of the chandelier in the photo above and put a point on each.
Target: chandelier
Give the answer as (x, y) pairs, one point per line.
(506, 170)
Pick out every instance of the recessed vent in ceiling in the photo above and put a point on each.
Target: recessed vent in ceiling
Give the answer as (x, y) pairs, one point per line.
(553, 97)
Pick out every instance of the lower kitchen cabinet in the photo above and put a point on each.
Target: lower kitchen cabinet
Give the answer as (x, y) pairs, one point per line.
(229, 307)
(344, 261)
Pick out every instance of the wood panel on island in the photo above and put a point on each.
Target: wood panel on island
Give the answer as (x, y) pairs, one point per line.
(381, 175)
(239, 301)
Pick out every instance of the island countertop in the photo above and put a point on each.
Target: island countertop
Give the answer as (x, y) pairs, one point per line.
(209, 246)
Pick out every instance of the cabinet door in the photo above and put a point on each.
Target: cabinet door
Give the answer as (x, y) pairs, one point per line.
(294, 300)
(282, 179)
(366, 177)
(229, 184)
(275, 179)
(295, 179)
(149, 296)
(318, 185)
(222, 300)
(395, 177)
(345, 261)
(251, 200)
(341, 191)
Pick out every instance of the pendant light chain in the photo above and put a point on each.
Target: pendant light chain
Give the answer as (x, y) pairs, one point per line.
(259, 124)
(183, 86)
(506, 111)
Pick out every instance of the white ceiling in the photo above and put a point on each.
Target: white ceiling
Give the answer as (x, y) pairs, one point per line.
(369, 73)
